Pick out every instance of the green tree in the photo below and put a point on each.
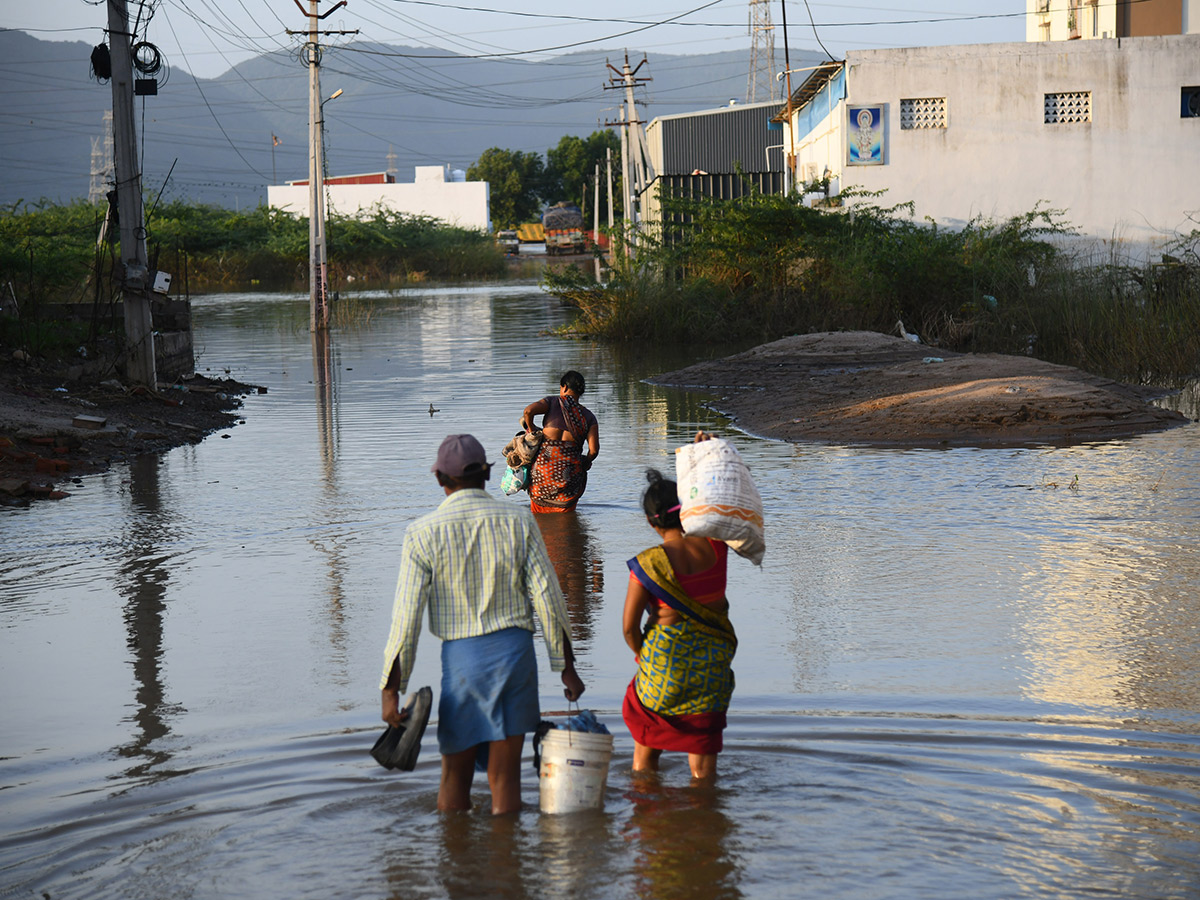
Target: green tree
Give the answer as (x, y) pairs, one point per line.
(516, 180)
(571, 164)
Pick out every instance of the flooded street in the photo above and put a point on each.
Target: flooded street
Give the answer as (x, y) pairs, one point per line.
(961, 673)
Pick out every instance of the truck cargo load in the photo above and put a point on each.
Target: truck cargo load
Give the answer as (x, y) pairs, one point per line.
(563, 225)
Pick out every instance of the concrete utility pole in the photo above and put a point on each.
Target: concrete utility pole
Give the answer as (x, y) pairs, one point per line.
(318, 265)
(636, 167)
(134, 272)
(789, 167)
(596, 218)
(318, 285)
(608, 164)
(626, 181)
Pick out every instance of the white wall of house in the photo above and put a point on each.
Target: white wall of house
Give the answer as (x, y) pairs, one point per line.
(1128, 175)
(821, 135)
(461, 203)
(1061, 20)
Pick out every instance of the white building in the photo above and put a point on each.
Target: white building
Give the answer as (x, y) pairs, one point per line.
(1065, 20)
(436, 192)
(1108, 131)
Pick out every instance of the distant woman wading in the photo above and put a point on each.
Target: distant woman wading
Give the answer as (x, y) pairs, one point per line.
(559, 475)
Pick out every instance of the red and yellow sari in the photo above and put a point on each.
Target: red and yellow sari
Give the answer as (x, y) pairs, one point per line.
(679, 697)
(558, 477)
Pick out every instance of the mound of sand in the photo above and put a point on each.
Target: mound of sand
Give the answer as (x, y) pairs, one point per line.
(864, 387)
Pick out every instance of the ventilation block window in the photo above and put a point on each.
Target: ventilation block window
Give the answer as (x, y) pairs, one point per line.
(1189, 103)
(1066, 107)
(922, 112)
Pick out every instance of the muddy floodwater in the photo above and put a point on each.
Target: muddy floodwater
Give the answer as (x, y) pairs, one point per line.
(961, 673)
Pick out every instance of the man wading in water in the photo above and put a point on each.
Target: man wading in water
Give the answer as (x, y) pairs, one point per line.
(482, 568)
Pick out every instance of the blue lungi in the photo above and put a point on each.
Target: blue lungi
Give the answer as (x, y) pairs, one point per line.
(489, 689)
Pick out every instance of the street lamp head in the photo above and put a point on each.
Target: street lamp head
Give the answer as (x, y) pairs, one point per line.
(335, 94)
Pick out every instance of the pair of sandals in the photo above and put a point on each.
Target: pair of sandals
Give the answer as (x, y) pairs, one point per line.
(398, 746)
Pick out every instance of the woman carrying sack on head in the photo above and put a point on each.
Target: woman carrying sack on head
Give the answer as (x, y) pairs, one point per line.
(559, 474)
(679, 697)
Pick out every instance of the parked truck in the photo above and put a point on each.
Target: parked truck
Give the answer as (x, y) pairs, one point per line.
(563, 226)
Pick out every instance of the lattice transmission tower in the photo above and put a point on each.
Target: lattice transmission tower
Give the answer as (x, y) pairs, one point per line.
(102, 178)
(762, 84)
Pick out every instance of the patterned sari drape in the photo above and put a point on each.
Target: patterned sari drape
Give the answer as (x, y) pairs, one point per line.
(678, 699)
(558, 478)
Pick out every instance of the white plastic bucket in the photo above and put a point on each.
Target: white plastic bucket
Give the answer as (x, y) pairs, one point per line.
(574, 770)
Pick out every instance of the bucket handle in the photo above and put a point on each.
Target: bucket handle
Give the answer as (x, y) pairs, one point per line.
(571, 703)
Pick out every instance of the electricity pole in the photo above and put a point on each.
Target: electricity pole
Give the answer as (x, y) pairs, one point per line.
(789, 169)
(608, 164)
(636, 168)
(134, 274)
(318, 266)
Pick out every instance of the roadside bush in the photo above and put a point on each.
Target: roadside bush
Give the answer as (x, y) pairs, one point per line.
(48, 252)
(765, 266)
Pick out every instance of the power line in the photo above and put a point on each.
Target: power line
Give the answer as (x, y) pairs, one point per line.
(610, 37)
(209, 106)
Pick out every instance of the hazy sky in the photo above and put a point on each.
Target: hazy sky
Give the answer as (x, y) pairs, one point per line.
(206, 37)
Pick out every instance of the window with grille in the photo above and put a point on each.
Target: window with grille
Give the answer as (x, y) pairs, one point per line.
(922, 112)
(1066, 107)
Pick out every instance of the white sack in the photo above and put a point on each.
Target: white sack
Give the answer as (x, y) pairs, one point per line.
(718, 498)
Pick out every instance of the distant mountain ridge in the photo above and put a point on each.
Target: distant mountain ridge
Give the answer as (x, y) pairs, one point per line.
(218, 133)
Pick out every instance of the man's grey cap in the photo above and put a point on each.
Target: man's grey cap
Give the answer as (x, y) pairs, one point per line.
(459, 455)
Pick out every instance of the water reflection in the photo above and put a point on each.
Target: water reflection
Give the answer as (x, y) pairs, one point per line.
(142, 580)
(1186, 401)
(1121, 626)
(325, 386)
(480, 856)
(577, 560)
(682, 843)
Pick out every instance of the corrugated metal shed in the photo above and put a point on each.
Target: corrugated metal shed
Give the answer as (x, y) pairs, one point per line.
(717, 141)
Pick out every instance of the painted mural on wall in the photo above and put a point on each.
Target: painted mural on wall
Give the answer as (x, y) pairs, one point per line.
(865, 144)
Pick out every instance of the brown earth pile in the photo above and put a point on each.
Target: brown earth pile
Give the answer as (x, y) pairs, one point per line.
(864, 387)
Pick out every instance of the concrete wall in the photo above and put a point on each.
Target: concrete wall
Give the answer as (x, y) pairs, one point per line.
(461, 203)
(1128, 175)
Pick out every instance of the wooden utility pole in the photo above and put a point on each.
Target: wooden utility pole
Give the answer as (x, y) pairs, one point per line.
(134, 274)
